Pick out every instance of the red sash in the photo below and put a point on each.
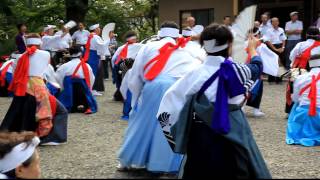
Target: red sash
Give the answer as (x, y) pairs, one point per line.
(302, 60)
(123, 54)
(86, 73)
(88, 45)
(312, 94)
(3, 74)
(21, 74)
(161, 60)
(53, 104)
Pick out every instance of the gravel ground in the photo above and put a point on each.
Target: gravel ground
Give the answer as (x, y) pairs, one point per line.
(91, 151)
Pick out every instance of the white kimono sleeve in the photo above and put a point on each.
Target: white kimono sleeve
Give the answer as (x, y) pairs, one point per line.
(115, 56)
(124, 85)
(297, 86)
(175, 98)
(136, 81)
(295, 52)
(92, 77)
(60, 75)
(101, 46)
(269, 60)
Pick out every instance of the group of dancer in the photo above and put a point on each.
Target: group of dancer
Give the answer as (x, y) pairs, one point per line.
(183, 97)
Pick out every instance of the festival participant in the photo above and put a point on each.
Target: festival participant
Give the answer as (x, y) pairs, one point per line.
(270, 66)
(96, 49)
(276, 38)
(294, 29)
(128, 51)
(303, 124)
(51, 43)
(201, 113)
(157, 66)
(76, 81)
(299, 57)
(193, 46)
(33, 108)
(81, 36)
(6, 73)
(19, 156)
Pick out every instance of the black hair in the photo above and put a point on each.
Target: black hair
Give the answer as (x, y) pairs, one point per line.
(221, 34)
(19, 26)
(313, 33)
(75, 49)
(130, 34)
(169, 24)
(226, 17)
(27, 163)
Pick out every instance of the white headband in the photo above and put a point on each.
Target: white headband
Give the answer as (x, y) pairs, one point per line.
(18, 155)
(169, 32)
(210, 46)
(187, 33)
(34, 41)
(314, 63)
(132, 38)
(93, 27)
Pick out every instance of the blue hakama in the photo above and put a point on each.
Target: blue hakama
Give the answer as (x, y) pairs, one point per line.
(303, 129)
(145, 144)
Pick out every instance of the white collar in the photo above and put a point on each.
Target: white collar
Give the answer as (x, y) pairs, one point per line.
(214, 60)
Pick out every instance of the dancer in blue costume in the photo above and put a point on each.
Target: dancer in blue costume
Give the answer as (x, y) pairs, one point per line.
(144, 144)
(304, 120)
(98, 51)
(76, 94)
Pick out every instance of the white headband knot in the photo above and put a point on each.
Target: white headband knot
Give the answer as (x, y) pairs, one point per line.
(210, 46)
(169, 32)
(18, 155)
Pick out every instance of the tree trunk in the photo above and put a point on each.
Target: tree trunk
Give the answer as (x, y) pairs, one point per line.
(76, 10)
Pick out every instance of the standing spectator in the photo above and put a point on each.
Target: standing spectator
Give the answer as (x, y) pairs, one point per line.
(191, 22)
(276, 40)
(294, 29)
(20, 38)
(227, 21)
(265, 26)
(81, 36)
(112, 49)
(268, 14)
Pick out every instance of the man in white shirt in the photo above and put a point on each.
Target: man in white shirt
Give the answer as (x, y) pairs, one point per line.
(294, 30)
(81, 36)
(265, 26)
(276, 40)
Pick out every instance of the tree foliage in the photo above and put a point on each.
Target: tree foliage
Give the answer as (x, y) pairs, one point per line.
(139, 15)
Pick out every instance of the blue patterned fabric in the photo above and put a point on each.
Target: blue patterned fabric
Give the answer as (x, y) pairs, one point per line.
(127, 106)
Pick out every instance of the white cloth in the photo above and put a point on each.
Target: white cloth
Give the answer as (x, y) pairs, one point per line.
(39, 62)
(99, 45)
(175, 98)
(10, 69)
(270, 60)
(49, 76)
(300, 48)
(81, 37)
(275, 36)
(18, 155)
(65, 41)
(125, 84)
(68, 69)
(51, 43)
(290, 26)
(300, 83)
(133, 50)
(318, 23)
(179, 64)
(196, 51)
